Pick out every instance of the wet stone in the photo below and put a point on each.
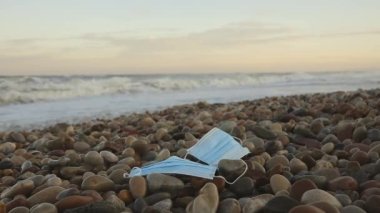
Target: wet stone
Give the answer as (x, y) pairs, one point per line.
(280, 204)
(164, 183)
(243, 187)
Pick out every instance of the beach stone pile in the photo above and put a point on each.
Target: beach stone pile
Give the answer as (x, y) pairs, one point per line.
(309, 153)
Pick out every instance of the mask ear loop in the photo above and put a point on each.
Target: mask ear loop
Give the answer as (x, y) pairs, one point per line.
(246, 169)
(139, 171)
(238, 139)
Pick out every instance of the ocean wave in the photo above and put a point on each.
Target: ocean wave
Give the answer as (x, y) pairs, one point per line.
(26, 89)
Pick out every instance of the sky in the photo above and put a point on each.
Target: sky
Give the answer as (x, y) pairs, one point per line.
(55, 37)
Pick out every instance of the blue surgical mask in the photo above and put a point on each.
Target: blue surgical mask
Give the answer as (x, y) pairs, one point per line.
(175, 165)
(215, 146)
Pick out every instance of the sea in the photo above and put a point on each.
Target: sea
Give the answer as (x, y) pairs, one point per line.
(33, 102)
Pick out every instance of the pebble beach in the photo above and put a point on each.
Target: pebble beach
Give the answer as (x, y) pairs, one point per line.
(309, 153)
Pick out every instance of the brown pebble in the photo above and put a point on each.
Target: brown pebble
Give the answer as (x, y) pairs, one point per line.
(73, 202)
(138, 186)
(301, 186)
(343, 183)
(305, 209)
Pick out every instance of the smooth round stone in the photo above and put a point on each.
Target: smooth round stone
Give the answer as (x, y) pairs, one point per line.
(125, 196)
(328, 147)
(97, 207)
(300, 187)
(73, 202)
(352, 209)
(71, 171)
(375, 149)
(279, 182)
(19, 200)
(7, 147)
(44, 207)
(165, 204)
(343, 199)
(117, 202)
(343, 183)
(315, 195)
(67, 192)
(117, 176)
(17, 137)
(329, 174)
(20, 209)
(277, 160)
(21, 187)
(163, 155)
(54, 181)
(229, 205)
(109, 156)
(93, 158)
(6, 164)
(359, 134)
(360, 157)
(206, 201)
(319, 180)
(374, 134)
(81, 147)
(280, 204)
(164, 183)
(97, 183)
(256, 203)
(306, 209)
(372, 204)
(156, 197)
(243, 187)
(231, 169)
(296, 166)
(138, 186)
(47, 195)
(327, 207)
(344, 129)
(369, 184)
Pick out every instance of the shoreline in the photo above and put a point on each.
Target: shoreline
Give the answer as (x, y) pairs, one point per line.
(328, 143)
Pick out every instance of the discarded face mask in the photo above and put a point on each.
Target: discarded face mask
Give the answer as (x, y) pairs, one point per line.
(175, 165)
(215, 146)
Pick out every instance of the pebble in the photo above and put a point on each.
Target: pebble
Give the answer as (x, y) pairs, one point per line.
(22, 187)
(279, 182)
(21, 209)
(372, 204)
(306, 209)
(138, 186)
(229, 205)
(300, 187)
(327, 207)
(164, 183)
(165, 204)
(280, 204)
(109, 156)
(256, 203)
(98, 183)
(47, 195)
(44, 207)
(206, 201)
(7, 147)
(94, 159)
(296, 166)
(352, 209)
(328, 147)
(315, 195)
(243, 187)
(343, 183)
(98, 207)
(343, 199)
(73, 201)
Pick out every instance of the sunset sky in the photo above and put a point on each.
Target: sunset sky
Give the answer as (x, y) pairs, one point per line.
(180, 36)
